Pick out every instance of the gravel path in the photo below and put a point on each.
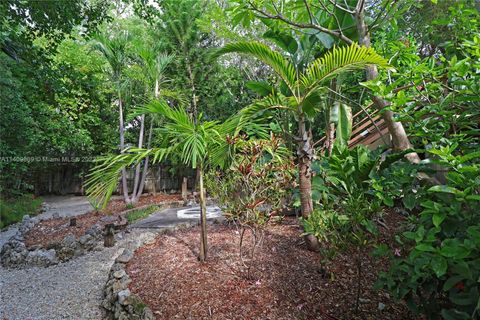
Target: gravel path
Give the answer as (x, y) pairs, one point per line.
(71, 290)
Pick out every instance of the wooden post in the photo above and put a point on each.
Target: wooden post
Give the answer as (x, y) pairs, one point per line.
(184, 190)
(203, 218)
(109, 236)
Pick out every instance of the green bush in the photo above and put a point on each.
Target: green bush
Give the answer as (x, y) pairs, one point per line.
(439, 274)
(13, 210)
(256, 187)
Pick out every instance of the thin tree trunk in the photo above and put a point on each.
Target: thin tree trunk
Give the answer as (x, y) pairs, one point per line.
(122, 147)
(305, 156)
(145, 166)
(137, 193)
(399, 136)
(136, 180)
(194, 95)
(203, 219)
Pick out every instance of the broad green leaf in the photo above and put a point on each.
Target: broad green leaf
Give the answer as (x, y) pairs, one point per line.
(452, 248)
(344, 123)
(326, 39)
(439, 265)
(425, 247)
(388, 201)
(409, 201)
(438, 218)
(444, 189)
(474, 233)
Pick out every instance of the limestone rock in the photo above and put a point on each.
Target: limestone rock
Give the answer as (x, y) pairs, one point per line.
(123, 297)
(119, 274)
(126, 256)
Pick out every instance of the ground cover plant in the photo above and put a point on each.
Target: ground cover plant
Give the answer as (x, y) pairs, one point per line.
(13, 210)
(140, 213)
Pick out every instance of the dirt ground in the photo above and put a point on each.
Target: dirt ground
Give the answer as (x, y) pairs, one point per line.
(50, 231)
(284, 281)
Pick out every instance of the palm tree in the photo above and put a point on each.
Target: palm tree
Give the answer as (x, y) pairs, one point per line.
(114, 49)
(305, 89)
(153, 66)
(196, 143)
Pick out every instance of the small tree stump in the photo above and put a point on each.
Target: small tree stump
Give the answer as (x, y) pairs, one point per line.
(73, 222)
(109, 235)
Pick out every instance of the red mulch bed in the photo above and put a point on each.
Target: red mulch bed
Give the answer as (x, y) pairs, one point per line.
(285, 281)
(51, 231)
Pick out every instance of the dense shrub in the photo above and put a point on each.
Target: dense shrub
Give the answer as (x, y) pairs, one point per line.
(440, 270)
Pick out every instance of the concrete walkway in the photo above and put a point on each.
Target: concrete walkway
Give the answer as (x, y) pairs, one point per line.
(173, 216)
(65, 206)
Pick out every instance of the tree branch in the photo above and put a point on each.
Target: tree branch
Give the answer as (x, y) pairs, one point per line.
(341, 8)
(280, 17)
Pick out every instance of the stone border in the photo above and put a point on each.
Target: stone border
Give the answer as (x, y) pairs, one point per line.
(15, 254)
(118, 302)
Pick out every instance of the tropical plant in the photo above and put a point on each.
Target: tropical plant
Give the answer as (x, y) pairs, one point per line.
(303, 93)
(196, 143)
(351, 220)
(154, 66)
(114, 50)
(255, 187)
(332, 22)
(437, 270)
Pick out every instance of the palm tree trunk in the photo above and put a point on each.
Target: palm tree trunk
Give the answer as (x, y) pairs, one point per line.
(305, 156)
(137, 169)
(330, 137)
(122, 147)
(203, 218)
(399, 136)
(145, 166)
(194, 110)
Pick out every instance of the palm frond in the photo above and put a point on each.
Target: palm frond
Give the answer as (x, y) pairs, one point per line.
(104, 177)
(271, 102)
(262, 52)
(114, 49)
(337, 61)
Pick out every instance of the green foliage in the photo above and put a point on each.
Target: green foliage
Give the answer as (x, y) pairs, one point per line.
(13, 210)
(306, 85)
(341, 115)
(141, 213)
(196, 144)
(50, 108)
(438, 101)
(400, 184)
(346, 207)
(439, 272)
(256, 186)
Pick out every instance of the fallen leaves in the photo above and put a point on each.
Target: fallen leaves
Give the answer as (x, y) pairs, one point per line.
(282, 283)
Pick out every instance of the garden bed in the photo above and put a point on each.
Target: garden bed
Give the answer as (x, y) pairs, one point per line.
(48, 242)
(285, 282)
(51, 231)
